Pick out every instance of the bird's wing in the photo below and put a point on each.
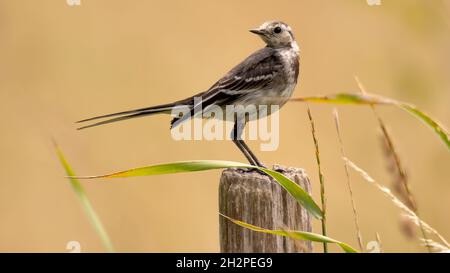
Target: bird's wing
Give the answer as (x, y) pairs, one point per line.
(254, 73)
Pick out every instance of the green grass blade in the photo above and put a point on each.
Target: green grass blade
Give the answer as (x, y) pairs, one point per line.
(297, 235)
(365, 99)
(85, 203)
(347, 98)
(300, 195)
(443, 134)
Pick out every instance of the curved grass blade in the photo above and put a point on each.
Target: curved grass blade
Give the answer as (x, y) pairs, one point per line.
(297, 235)
(440, 130)
(347, 98)
(300, 195)
(85, 203)
(365, 99)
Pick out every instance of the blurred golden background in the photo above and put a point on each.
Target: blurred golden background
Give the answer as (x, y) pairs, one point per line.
(61, 63)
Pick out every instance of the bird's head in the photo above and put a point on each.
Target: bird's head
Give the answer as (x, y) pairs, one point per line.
(275, 34)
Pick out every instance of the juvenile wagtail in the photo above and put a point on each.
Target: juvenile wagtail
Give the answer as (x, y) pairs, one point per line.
(265, 78)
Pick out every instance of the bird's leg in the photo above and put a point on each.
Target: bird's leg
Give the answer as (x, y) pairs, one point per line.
(252, 155)
(245, 152)
(236, 134)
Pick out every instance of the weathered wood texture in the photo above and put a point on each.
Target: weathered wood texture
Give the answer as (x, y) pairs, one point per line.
(254, 198)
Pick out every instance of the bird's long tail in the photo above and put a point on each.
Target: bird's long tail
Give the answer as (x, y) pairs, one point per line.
(165, 108)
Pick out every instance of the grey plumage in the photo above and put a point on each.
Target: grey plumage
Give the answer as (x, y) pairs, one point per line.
(266, 77)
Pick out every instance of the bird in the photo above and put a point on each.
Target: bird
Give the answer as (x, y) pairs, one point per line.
(267, 77)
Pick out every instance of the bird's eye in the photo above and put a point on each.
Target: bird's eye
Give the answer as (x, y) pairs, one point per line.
(277, 30)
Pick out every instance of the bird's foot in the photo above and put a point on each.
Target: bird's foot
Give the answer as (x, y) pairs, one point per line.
(258, 164)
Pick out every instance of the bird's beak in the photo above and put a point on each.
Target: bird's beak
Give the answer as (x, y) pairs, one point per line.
(257, 31)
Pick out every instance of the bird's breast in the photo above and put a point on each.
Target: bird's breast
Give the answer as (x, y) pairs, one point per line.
(289, 58)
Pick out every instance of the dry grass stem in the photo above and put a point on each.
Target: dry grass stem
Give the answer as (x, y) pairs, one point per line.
(397, 202)
(321, 179)
(377, 236)
(435, 246)
(349, 186)
(396, 169)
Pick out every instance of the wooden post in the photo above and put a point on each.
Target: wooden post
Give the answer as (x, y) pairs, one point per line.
(256, 199)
